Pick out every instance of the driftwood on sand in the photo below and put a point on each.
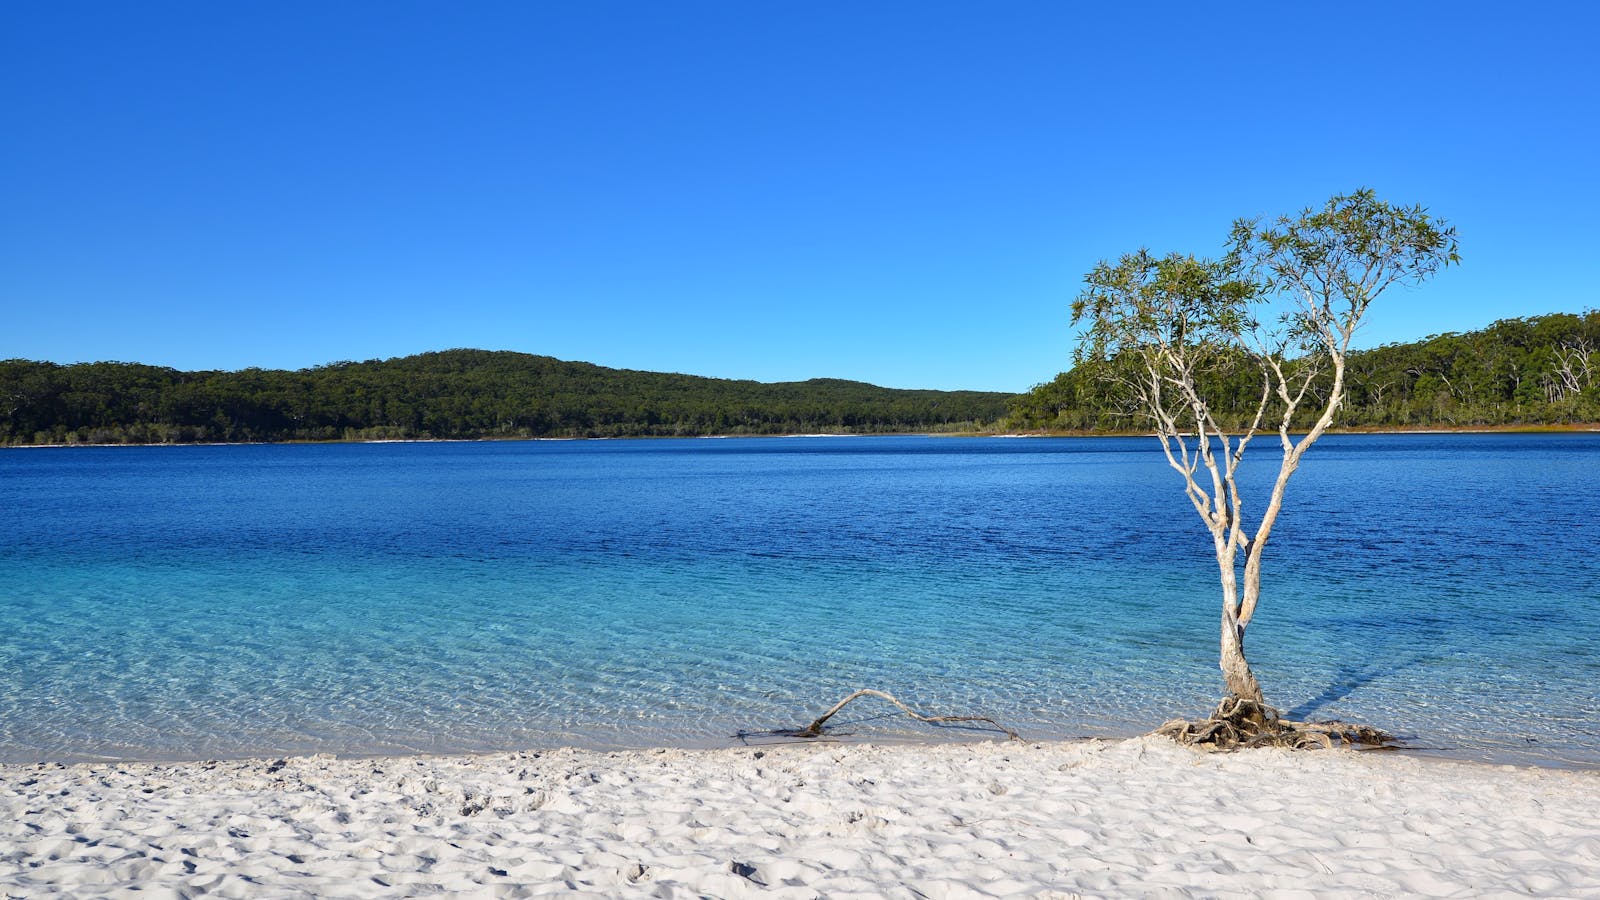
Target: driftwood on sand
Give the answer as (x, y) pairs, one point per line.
(1238, 723)
(818, 727)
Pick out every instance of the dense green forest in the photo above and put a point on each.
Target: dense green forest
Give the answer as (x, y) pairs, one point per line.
(1543, 370)
(1537, 371)
(453, 394)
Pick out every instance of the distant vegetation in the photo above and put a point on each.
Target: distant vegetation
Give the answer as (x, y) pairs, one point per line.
(1538, 371)
(453, 394)
(1543, 370)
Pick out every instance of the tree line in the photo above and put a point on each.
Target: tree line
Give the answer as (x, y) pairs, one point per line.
(449, 394)
(1542, 370)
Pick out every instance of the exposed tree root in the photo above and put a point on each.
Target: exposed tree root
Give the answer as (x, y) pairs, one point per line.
(1239, 724)
(818, 729)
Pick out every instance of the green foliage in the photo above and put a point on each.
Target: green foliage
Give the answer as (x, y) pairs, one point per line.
(1177, 336)
(1145, 305)
(1543, 370)
(452, 394)
(1193, 346)
(1331, 263)
(1162, 330)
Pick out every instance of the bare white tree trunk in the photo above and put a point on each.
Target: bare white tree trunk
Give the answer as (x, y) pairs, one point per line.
(1218, 502)
(1237, 678)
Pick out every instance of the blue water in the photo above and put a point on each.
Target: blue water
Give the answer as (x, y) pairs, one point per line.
(198, 602)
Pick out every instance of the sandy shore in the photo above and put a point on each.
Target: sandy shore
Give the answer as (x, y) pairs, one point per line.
(1135, 818)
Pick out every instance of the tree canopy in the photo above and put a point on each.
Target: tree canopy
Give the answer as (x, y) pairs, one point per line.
(450, 394)
(1542, 370)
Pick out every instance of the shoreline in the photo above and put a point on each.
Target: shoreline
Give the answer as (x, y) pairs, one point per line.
(758, 741)
(1582, 428)
(1140, 816)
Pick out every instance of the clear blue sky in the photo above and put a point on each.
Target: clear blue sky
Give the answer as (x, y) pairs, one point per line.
(901, 193)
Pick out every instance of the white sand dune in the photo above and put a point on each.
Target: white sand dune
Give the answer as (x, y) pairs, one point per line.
(1135, 818)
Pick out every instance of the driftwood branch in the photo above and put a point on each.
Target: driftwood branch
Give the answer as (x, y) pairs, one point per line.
(817, 727)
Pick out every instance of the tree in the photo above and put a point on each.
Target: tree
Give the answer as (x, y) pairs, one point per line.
(1286, 300)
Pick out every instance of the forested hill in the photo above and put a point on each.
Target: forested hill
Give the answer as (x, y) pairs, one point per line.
(452, 394)
(1537, 371)
(1543, 370)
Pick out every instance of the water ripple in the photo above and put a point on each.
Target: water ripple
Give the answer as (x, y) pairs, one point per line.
(227, 601)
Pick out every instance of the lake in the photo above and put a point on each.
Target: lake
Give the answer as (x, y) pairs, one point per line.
(222, 601)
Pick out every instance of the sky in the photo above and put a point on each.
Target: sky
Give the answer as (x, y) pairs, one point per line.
(907, 194)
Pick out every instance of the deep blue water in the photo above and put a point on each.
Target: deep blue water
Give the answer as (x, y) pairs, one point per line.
(194, 602)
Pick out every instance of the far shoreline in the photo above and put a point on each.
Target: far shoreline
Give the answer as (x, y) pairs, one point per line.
(1578, 428)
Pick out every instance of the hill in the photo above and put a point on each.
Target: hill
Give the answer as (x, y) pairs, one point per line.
(1543, 370)
(450, 394)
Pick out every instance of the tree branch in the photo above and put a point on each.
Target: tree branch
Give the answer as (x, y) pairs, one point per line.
(816, 728)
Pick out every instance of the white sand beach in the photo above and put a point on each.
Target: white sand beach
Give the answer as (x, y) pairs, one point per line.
(1135, 818)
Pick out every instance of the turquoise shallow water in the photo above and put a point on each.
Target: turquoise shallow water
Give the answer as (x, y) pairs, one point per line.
(196, 602)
